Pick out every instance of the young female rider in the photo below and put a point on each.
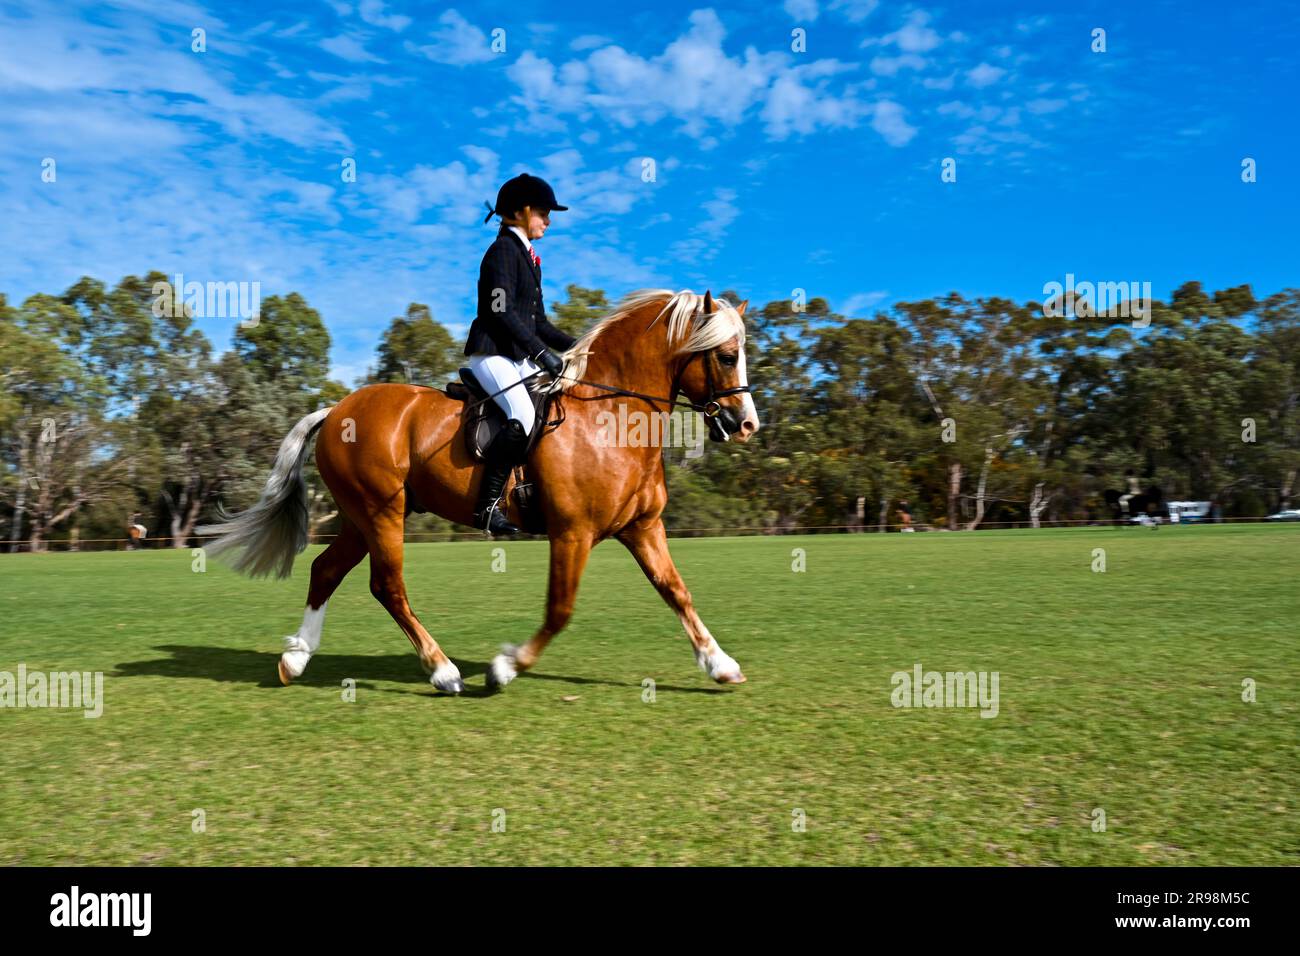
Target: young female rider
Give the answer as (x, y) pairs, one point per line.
(511, 337)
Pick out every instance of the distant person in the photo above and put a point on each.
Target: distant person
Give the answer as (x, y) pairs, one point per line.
(1133, 491)
(905, 516)
(135, 532)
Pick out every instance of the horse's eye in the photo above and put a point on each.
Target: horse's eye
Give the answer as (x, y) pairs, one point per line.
(728, 359)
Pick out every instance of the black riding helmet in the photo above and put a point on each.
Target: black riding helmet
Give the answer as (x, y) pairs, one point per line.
(523, 190)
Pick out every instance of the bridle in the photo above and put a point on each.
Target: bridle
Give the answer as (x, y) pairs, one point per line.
(710, 408)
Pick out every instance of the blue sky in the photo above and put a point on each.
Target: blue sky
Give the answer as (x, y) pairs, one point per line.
(775, 169)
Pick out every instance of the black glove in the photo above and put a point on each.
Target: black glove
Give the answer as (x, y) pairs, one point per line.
(551, 362)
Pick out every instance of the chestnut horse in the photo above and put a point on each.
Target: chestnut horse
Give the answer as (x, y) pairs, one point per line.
(385, 445)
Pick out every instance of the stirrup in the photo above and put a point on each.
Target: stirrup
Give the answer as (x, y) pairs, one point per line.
(494, 522)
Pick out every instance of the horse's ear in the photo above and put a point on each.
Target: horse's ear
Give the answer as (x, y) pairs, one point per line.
(741, 308)
(708, 301)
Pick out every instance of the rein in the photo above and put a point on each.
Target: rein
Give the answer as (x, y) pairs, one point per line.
(710, 408)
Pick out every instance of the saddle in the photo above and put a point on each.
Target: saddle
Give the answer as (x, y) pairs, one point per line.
(485, 419)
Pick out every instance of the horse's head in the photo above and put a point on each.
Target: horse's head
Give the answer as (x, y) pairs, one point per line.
(712, 373)
(703, 341)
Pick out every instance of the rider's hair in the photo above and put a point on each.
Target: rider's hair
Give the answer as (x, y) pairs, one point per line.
(510, 219)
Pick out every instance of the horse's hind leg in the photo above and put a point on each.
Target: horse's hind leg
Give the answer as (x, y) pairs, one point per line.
(327, 572)
(388, 587)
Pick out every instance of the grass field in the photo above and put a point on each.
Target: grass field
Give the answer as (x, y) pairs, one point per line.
(1119, 690)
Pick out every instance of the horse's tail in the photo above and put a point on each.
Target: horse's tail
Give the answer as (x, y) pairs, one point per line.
(272, 532)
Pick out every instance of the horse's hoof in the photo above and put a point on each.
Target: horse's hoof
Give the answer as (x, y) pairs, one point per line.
(285, 679)
(736, 677)
(500, 672)
(446, 678)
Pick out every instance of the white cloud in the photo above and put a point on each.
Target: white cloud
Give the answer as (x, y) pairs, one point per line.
(694, 81)
(915, 36)
(457, 43)
(889, 65)
(719, 213)
(795, 107)
(984, 75)
(802, 10)
(860, 303)
(589, 41)
(561, 164)
(888, 120)
(855, 11)
(372, 11)
(39, 61)
(706, 235)
(1045, 105)
(348, 48)
(409, 197)
(349, 88)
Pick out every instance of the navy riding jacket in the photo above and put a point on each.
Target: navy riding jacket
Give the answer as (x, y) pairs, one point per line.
(511, 322)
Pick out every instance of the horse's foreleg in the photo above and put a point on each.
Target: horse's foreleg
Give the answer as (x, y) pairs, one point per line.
(649, 545)
(568, 559)
(327, 571)
(389, 588)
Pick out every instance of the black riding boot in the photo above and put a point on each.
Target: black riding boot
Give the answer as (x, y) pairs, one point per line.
(507, 448)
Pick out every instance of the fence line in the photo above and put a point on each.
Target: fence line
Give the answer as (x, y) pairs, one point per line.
(163, 542)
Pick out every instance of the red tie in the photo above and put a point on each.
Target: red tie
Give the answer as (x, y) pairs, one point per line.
(537, 260)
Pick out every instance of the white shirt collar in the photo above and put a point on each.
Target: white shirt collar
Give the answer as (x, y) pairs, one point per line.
(523, 236)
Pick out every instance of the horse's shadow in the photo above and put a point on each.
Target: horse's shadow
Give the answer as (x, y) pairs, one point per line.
(242, 666)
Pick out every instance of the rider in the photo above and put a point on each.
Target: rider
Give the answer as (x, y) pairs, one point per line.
(1134, 489)
(511, 336)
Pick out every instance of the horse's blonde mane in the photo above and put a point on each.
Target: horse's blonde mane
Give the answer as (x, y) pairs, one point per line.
(684, 333)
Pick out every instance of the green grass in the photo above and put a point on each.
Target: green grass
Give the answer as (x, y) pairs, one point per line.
(1119, 690)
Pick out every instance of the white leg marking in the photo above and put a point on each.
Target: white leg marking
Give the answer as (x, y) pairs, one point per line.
(713, 660)
(446, 677)
(298, 648)
(503, 665)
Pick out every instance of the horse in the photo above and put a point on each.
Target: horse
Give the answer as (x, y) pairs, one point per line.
(1150, 503)
(388, 448)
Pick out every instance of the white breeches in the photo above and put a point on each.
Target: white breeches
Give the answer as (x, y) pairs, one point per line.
(495, 372)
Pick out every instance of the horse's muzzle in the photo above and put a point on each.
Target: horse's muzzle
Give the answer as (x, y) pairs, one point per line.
(724, 424)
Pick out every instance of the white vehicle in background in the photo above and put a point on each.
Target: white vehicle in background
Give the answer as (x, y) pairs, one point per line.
(1189, 512)
(1286, 514)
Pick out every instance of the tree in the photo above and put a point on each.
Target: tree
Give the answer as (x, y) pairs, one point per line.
(583, 309)
(60, 449)
(289, 347)
(416, 349)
